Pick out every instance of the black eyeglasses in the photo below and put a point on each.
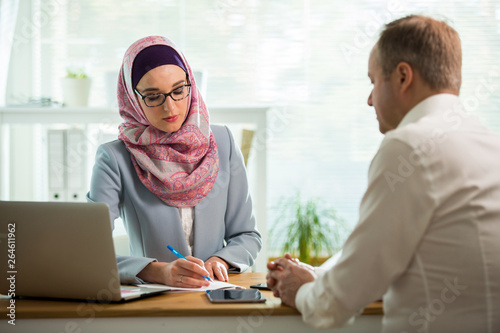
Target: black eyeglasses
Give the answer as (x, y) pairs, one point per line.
(177, 94)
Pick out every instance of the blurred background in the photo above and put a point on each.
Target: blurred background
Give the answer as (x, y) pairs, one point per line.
(303, 61)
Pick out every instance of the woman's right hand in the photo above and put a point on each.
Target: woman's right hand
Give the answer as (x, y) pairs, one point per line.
(187, 273)
(179, 273)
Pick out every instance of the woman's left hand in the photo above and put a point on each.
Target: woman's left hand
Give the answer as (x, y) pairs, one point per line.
(217, 268)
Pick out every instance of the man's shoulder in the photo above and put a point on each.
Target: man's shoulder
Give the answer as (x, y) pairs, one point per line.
(426, 128)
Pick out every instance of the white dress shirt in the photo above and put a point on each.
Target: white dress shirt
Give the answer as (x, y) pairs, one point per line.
(428, 238)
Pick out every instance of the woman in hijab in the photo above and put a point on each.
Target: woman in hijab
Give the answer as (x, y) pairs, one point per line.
(172, 177)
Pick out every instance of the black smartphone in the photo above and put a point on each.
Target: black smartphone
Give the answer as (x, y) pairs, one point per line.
(261, 286)
(235, 296)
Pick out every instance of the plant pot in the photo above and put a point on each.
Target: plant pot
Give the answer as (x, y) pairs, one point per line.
(75, 91)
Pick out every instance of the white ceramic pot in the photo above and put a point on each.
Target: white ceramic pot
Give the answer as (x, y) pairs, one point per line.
(75, 91)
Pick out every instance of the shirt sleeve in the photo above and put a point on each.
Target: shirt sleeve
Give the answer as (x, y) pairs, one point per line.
(394, 214)
(105, 187)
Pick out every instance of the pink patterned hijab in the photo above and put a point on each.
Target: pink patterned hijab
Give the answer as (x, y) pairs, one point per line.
(181, 167)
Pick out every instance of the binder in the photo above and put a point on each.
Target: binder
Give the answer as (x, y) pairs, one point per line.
(56, 160)
(67, 164)
(75, 165)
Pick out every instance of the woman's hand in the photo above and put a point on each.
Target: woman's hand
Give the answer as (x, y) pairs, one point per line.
(217, 268)
(187, 273)
(179, 273)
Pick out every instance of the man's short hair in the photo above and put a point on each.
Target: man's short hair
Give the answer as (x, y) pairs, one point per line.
(430, 46)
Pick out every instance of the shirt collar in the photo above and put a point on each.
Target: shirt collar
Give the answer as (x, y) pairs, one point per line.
(432, 104)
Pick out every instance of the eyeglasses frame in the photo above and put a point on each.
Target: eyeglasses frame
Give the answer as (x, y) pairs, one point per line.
(166, 95)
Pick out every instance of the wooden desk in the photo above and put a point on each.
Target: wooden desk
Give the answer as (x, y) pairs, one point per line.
(178, 312)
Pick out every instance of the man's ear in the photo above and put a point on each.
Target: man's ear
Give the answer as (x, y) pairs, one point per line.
(405, 76)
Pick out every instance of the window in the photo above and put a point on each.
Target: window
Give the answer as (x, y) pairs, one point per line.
(309, 57)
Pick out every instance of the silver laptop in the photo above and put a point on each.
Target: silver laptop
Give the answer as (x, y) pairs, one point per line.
(61, 250)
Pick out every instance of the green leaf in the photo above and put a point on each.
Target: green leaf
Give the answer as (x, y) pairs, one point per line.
(76, 74)
(308, 228)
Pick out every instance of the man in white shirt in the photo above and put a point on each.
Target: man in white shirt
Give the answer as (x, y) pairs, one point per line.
(428, 237)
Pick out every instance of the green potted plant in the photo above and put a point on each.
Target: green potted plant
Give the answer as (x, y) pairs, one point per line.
(75, 88)
(310, 230)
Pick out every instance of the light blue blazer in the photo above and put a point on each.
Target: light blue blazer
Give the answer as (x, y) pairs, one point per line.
(224, 224)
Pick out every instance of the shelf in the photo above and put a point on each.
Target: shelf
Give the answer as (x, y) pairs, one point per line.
(90, 115)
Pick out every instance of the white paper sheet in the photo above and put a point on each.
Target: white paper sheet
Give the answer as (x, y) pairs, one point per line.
(213, 285)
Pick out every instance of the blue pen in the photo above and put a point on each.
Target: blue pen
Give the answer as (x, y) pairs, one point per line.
(174, 251)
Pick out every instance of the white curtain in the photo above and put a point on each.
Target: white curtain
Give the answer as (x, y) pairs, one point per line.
(8, 16)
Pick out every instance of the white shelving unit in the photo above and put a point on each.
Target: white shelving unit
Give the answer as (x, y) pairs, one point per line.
(253, 116)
